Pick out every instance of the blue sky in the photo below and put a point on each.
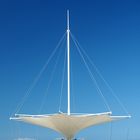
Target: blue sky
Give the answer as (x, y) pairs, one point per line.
(109, 32)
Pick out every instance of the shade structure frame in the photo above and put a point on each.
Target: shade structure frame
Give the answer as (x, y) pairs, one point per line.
(68, 125)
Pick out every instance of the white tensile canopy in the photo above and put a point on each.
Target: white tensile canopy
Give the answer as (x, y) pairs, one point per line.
(68, 125)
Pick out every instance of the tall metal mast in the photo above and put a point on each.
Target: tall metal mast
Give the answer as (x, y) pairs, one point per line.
(68, 62)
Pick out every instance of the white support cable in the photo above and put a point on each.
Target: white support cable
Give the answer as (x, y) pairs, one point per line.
(97, 86)
(106, 83)
(62, 83)
(20, 105)
(109, 87)
(49, 83)
(91, 75)
(127, 134)
(72, 90)
(110, 134)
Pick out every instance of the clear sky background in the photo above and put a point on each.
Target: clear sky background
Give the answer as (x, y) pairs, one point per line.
(108, 30)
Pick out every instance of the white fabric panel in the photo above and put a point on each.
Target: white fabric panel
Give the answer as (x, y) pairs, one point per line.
(68, 125)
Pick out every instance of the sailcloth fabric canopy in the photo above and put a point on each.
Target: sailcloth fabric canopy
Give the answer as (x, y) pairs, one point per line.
(68, 125)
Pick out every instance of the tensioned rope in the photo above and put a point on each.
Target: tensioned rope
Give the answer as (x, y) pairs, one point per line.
(127, 135)
(73, 97)
(110, 134)
(27, 93)
(106, 83)
(90, 73)
(109, 87)
(62, 83)
(50, 80)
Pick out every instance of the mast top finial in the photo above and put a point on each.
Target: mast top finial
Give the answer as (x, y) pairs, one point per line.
(67, 19)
